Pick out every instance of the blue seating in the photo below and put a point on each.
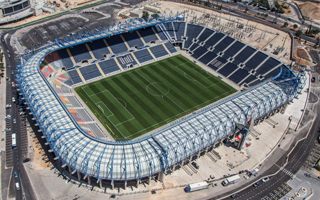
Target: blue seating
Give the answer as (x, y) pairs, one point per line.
(199, 52)
(244, 55)
(109, 66)
(148, 34)
(255, 61)
(160, 32)
(116, 44)
(213, 66)
(239, 75)
(192, 32)
(217, 63)
(179, 29)
(249, 79)
(65, 59)
(75, 78)
(98, 48)
(126, 61)
(193, 46)
(90, 72)
(223, 44)
(80, 53)
(69, 82)
(233, 49)
(169, 28)
(221, 59)
(170, 47)
(143, 55)
(205, 34)
(209, 56)
(158, 51)
(214, 39)
(257, 81)
(227, 69)
(133, 39)
(268, 65)
(274, 72)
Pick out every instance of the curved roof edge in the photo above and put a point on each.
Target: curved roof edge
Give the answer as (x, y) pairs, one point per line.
(136, 159)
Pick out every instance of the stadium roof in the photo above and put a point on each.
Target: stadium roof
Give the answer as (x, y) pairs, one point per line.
(149, 155)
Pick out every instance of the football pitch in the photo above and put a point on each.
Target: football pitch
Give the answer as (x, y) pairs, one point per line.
(132, 103)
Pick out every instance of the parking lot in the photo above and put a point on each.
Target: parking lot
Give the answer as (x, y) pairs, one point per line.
(86, 20)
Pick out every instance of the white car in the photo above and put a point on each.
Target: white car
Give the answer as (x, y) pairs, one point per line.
(265, 179)
(17, 186)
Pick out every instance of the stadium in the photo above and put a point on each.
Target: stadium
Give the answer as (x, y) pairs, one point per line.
(138, 100)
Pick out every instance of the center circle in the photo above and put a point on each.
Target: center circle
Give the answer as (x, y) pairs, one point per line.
(157, 89)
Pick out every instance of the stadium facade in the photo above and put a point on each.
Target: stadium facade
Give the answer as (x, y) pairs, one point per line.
(148, 157)
(12, 10)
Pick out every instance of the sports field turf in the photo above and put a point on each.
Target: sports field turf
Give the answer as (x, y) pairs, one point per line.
(135, 102)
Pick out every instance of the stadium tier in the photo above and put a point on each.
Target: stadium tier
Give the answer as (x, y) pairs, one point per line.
(272, 86)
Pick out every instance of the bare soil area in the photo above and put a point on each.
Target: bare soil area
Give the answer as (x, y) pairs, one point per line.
(310, 10)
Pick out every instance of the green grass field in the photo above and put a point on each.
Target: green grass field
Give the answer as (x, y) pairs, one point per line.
(135, 102)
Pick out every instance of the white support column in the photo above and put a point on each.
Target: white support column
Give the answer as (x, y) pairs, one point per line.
(125, 184)
(112, 184)
(69, 169)
(161, 177)
(79, 176)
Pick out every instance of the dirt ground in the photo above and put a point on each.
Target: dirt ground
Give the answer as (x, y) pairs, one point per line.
(38, 155)
(310, 10)
(302, 56)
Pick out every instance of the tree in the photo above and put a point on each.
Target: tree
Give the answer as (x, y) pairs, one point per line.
(145, 15)
(155, 16)
(295, 26)
(285, 24)
(299, 33)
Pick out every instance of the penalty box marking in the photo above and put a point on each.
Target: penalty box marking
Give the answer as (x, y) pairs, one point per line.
(110, 115)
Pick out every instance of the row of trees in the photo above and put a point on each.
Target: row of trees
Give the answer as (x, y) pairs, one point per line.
(1, 65)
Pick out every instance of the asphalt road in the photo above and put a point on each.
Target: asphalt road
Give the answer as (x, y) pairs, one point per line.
(17, 123)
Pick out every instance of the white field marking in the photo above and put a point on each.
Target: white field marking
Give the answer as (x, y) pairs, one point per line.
(169, 119)
(175, 103)
(85, 91)
(108, 117)
(103, 91)
(174, 116)
(183, 111)
(186, 75)
(99, 106)
(121, 122)
(153, 84)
